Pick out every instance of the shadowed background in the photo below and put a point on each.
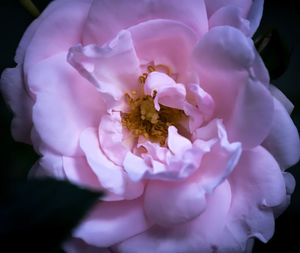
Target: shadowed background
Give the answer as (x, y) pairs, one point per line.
(17, 158)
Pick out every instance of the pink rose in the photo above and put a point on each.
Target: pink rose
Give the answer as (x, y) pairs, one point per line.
(165, 105)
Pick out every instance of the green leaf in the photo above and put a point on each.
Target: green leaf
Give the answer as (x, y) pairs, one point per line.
(274, 52)
(38, 215)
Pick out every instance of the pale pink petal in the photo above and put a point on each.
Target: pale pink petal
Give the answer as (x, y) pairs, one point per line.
(223, 71)
(254, 15)
(230, 15)
(62, 110)
(252, 116)
(286, 103)
(69, 16)
(283, 139)
(200, 235)
(78, 172)
(14, 92)
(111, 176)
(165, 42)
(110, 17)
(113, 68)
(217, 164)
(109, 223)
(290, 184)
(181, 161)
(213, 5)
(75, 245)
(259, 72)
(176, 142)
(171, 203)
(111, 138)
(49, 165)
(203, 109)
(257, 185)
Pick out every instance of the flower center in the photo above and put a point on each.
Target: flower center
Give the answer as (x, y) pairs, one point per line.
(143, 119)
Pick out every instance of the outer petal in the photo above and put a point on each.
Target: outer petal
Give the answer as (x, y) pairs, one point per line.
(113, 69)
(283, 140)
(110, 17)
(223, 71)
(75, 245)
(165, 42)
(16, 96)
(255, 14)
(232, 16)
(251, 119)
(257, 185)
(111, 222)
(62, 110)
(199, 235)
(50, 165)
(213, 5)
(58, 14)
(223, 74)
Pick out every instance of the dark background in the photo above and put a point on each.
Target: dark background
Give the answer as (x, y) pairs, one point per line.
(17, 158)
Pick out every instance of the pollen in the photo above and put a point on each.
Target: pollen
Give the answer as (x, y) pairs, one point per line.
(144, 120)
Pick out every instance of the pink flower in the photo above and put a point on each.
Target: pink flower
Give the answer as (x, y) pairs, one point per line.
(165, 105)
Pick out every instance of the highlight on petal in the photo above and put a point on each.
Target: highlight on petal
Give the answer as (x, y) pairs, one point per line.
(254, 15)
(110, 17)
(113, 68)
(112, 222)
(62, 110)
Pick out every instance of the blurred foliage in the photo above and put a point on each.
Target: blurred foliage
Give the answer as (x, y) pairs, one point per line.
(37, 215)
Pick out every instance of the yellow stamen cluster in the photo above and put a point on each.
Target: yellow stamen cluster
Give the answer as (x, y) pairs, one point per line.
(144, 119)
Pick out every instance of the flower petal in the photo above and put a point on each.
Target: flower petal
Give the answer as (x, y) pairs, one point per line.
(58, 14)
(213, 5)
(223, 71)
(16, 96)
(61, 110)
(166, 89)
(283, 139)
(199, 235)
(111, 138)
(113, 68)
(171, 203)
(78, 172)
(165, 42)
(230, 15)
(111, 176)
(252, 116)
(255, 14)
(111, 222)
(217, 164)
(111, 17)
(257, 185)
